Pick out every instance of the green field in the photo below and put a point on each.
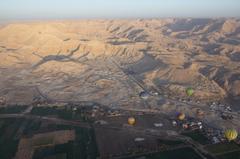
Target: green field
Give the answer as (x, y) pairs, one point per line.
(56, 152)
(8, 145)
(61, 112)
(58, 156)
(197, 136)
(10, 135)
(12, 109)
(183, 153)
(169, 143)
(222, 148)
(83, 147)
(232, 155)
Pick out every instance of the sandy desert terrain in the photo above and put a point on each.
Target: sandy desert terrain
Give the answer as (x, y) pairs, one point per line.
(95, 60)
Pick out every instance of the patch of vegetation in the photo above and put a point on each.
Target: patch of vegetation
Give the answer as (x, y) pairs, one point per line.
(8, 144)
(83, 147)
(63, 151)
(222, 148)
(12, 109)
(1, 124)
(32, 126)
(232, 155)
(183, 153)
(58, 156)
(62, 112)
(8, 149)
(197, 136)
(170, 143)
(44, 111)
(64, 127)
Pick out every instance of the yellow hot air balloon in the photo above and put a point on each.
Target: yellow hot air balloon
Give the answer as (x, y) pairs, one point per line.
(131, 121)
(231, 134)
(181, 116)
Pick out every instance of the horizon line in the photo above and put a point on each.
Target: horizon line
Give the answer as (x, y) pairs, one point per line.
(107, 18)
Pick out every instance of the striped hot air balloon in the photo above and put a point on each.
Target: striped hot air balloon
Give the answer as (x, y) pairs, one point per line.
(231, 134)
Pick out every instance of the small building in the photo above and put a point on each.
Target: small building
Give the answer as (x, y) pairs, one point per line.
(101, 122)
(174, 123)
(215, 140)
(139, 139)
(158, 124)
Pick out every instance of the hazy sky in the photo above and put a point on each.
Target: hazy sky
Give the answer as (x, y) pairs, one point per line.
(61, 9)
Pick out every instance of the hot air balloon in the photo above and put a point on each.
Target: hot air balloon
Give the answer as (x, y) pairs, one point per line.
(144, 95)
(189, 92)
(231, 134)
(181, 116)
(131, 121)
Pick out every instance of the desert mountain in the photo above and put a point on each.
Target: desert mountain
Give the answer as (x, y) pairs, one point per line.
(92, 60)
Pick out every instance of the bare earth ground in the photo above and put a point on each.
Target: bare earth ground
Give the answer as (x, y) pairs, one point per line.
(94, 61)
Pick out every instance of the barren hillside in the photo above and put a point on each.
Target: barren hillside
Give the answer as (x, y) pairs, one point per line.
(92, 60)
